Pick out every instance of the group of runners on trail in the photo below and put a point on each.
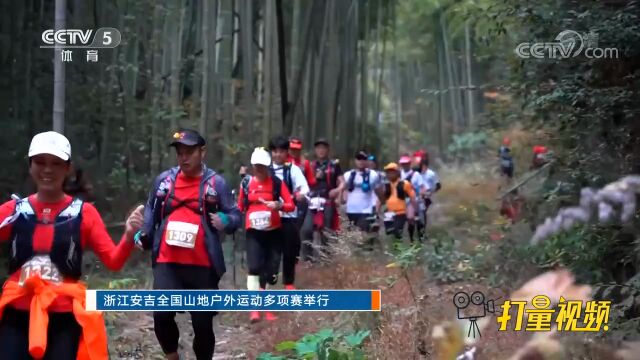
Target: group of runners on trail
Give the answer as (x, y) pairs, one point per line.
(182, 222)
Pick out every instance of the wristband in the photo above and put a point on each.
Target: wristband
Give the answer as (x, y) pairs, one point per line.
(224, 218)
(137, 236)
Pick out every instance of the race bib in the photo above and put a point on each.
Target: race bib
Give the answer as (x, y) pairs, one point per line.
(41, 266)
(181, 234)
(389, 215)
(317, 203)
(260, 220)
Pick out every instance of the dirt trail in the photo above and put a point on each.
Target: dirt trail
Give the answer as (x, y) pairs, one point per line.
(393, 329)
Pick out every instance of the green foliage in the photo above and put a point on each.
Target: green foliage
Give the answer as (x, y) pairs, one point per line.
(405, 256)
(326, 344)
(589, 104)
(590, 251)
(127, 283)
(445, 262)
(467, 145)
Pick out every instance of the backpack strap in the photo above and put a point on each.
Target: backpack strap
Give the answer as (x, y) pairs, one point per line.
(387, 190)
(245, 190)
(286, 176)
(209, 196)
(166, 189)
(22, 207)
(352, 180)
(276, 185)
(400, 190)
(409, 175)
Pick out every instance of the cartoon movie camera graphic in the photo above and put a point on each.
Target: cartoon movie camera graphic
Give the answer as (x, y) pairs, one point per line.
(473, 308)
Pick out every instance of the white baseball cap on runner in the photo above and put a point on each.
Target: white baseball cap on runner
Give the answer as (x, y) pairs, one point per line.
(260, 156)
(50, 142)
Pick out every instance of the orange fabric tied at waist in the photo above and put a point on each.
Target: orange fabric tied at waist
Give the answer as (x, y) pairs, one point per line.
(93, 340)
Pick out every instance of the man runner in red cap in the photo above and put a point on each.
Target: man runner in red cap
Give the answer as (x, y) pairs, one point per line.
(296, 158)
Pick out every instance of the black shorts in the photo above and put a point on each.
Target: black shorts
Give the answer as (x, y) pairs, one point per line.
(396, 227)
(362, 221)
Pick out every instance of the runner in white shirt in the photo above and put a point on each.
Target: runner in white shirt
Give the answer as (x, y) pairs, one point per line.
(362, 201)
(419, 187)
(294, 179)
(432, 182)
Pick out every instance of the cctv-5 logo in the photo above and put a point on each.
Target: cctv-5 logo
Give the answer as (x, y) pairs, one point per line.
(74, 38)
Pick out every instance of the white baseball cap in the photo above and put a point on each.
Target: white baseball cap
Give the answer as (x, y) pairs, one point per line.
(260, 156)
(50, 142)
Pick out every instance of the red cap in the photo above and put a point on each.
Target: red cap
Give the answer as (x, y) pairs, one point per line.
(295, 144)
(539, 149)
(420, 153)
(506, 141)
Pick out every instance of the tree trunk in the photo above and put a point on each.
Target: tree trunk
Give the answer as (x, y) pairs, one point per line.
(155, 88)
(380, 74)
(205, 108)
(196, 78)
(301, 69)
(176, 62)
(226, 68)
(449, 68)
(282, 64)
(261, 56)
(269, 12)
(364, 76)
(320, 76)
(379, 68)
(443, 115)
(398, 83)
(59, 71)
(246, 20)
(295, 44)
(470, 88)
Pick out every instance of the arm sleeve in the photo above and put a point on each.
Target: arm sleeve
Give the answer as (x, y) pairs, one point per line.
(240, 203)
(227, 205)
(6, 211)
(420, 181)
(308, 173)
(287, 205)
(299, 181)
(149, 225)
(408, 189)
(95, 235)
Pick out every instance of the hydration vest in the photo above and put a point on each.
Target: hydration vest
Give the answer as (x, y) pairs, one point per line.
(329, 169)
(66, 249)
(286, 176)
(409, 177)
(366, 186)
(276, 184)
(399, 190)
(161, 207)
(165, 194)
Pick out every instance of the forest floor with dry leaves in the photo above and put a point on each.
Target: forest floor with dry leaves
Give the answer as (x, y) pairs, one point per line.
(396, 333)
